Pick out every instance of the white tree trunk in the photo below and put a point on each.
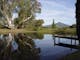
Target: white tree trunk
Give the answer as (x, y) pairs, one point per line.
(11, 24)
(9, 20)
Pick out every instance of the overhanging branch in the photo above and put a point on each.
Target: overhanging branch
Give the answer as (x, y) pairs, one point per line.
(25, 20)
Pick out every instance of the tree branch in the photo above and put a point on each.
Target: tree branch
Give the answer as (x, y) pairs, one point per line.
(25, 20)
(4, 14)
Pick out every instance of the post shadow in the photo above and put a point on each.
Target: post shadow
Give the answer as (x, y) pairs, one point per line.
(78, 19)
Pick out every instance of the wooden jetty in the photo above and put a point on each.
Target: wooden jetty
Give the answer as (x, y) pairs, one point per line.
(67, 37)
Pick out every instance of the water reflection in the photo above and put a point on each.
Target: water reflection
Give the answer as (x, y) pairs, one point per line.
(51, 48)
(34, 46)
(18, 47)
(36, 35)
(65, 42)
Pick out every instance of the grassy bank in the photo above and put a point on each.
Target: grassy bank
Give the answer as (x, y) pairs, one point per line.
(59, 31)
(4, 31)
(45, 30)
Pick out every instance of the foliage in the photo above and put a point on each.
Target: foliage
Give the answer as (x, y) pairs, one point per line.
(73, 26)
(38, 23)
(35, 24)
(25, 9)
(59, 31)
(67, 31)
(53, 24)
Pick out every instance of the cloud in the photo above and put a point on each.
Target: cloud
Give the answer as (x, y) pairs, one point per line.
(58, 11)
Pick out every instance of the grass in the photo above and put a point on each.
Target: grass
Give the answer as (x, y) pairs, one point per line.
(45, 30)
(42, 30)
(4, 31)
(61, 31)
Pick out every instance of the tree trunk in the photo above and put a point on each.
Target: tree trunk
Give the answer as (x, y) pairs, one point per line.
(10, 24)
(78, 18)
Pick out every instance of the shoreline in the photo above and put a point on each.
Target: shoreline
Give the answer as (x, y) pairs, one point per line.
(4, 31)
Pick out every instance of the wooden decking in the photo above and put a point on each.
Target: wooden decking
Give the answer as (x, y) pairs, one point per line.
(67, 37)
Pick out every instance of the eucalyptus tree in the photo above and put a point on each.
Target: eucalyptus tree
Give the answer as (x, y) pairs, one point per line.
(24, 10)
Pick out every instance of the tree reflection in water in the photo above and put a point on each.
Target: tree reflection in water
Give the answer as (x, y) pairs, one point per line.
(36, 35)
(18, 47)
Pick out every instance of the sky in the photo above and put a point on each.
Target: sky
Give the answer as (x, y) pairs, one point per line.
(59, 10)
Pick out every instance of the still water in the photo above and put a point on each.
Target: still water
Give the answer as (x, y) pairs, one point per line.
(33, 46)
